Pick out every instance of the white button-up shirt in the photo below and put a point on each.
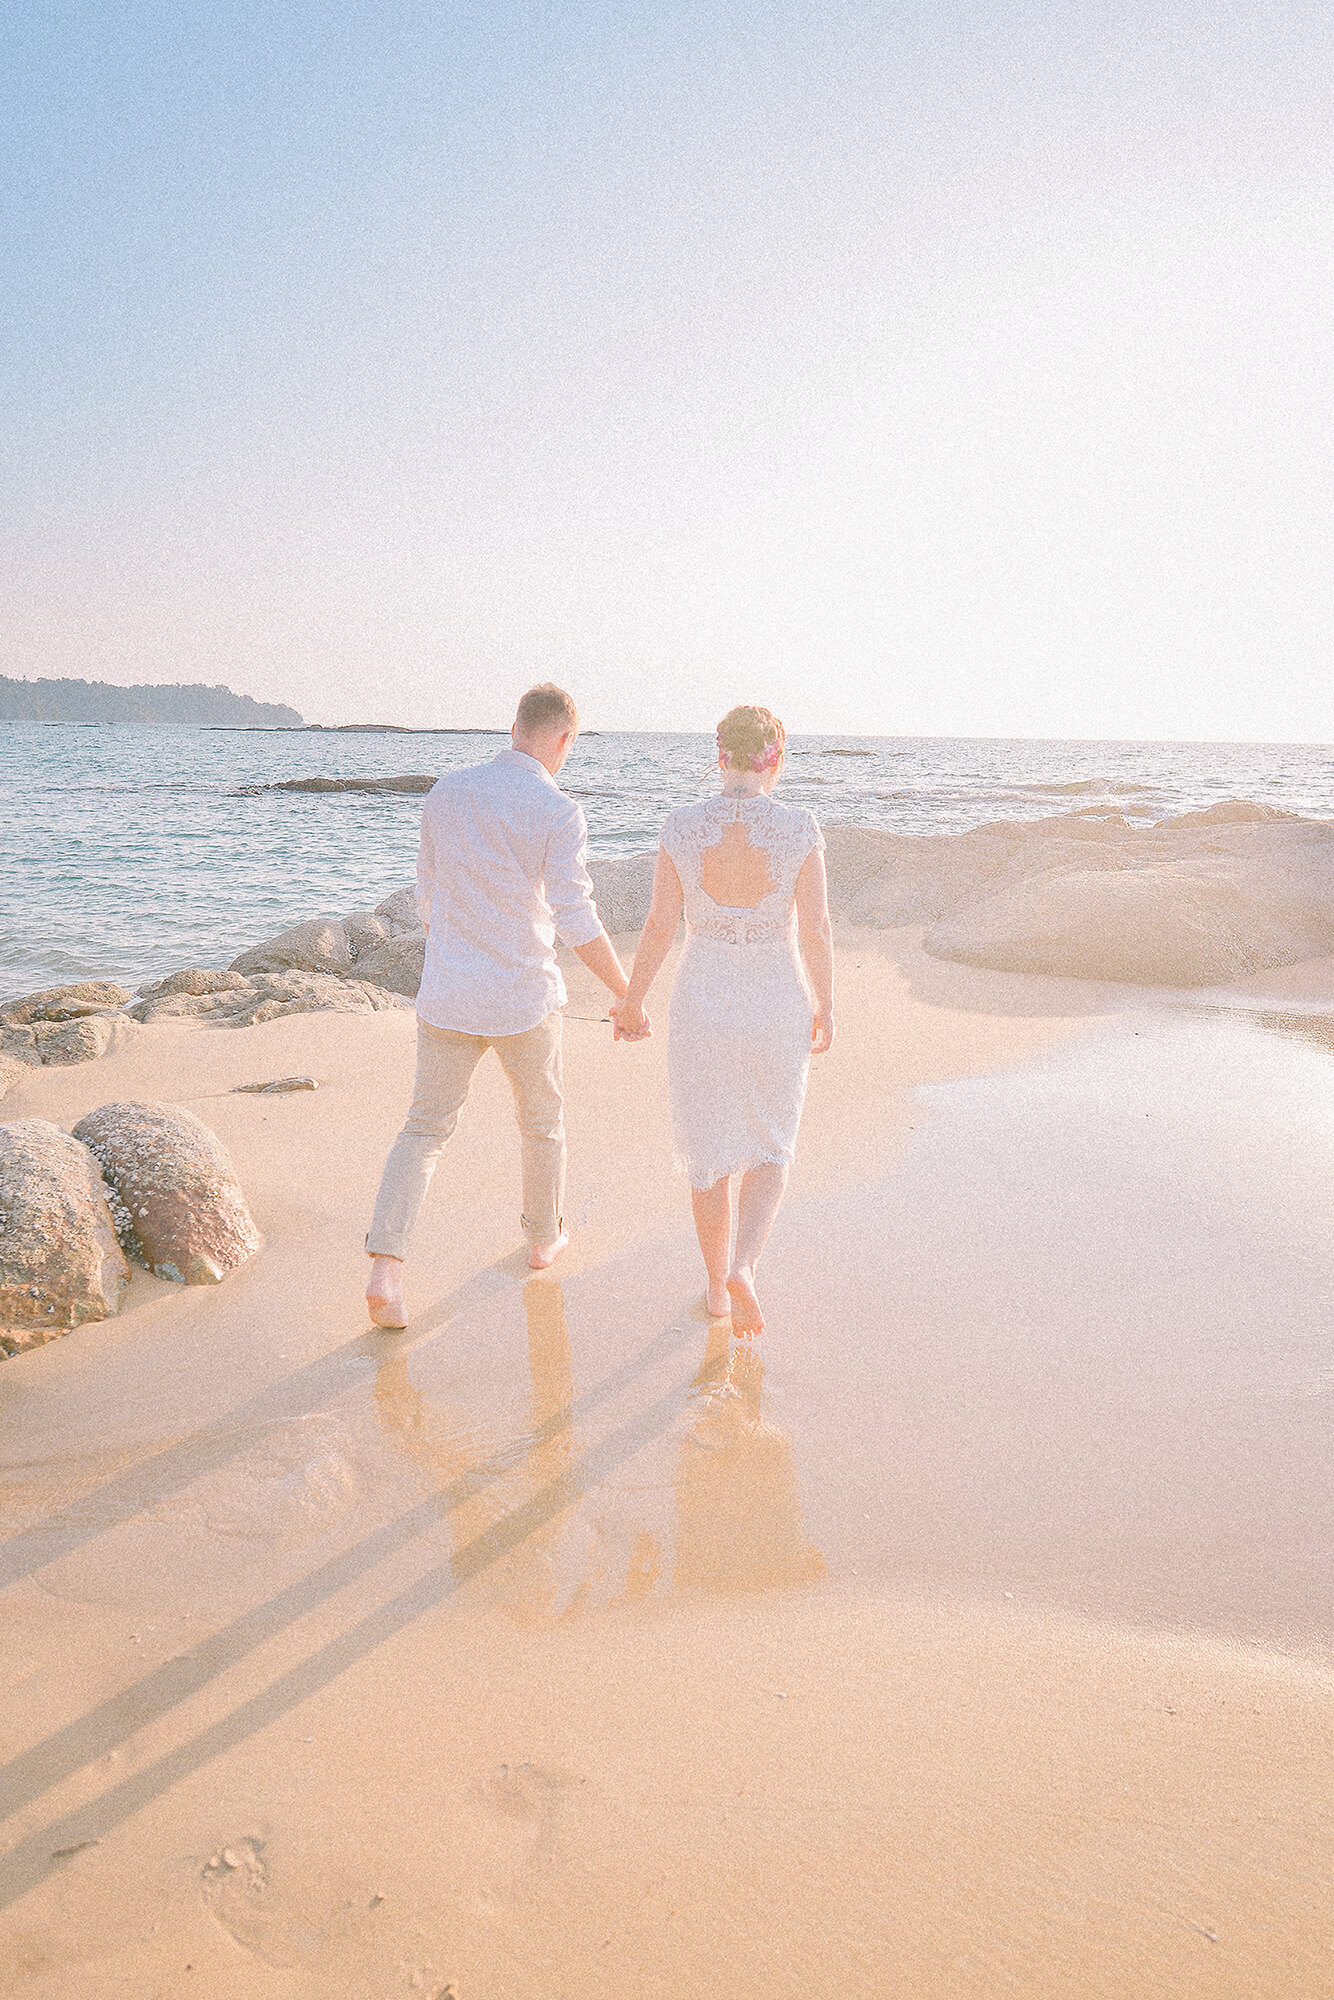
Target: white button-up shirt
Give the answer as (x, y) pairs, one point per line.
(500, 873)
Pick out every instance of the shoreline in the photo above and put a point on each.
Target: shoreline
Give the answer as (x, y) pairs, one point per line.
(970, 1627)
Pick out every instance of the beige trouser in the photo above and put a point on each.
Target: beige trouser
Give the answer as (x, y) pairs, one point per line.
(446, 1060)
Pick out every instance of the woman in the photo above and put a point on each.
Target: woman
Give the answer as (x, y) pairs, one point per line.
(745, 1017)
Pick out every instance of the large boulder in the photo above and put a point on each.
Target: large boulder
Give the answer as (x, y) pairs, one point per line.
(60, 1262)
(275, 995)
(411, 783)
(20, 1044)
(399, 911)
(318, 946)
(396, 965)
(364, 931)
(76, 1041)
(1197, 922)
(64, 1003)
(177, 1204)
(268, 997)
(194, 981)
(623, 889)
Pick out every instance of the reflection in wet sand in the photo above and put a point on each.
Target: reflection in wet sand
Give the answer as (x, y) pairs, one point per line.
(523, 1575)
(738, 1505)
(1317, 1029)
(727, 1517)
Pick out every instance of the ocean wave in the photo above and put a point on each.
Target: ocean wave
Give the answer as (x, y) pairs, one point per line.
(1076, 787)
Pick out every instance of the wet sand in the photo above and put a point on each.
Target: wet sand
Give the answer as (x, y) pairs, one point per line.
(968, 1634)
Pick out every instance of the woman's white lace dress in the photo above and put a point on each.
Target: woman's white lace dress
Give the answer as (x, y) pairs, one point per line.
(739, 1035)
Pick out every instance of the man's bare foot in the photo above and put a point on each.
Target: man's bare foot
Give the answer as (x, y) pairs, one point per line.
(543, 1255)
(718, 1300)
(384, 1294)
(746, 1315)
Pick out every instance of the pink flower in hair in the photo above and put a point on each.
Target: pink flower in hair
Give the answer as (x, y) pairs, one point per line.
(763, 760)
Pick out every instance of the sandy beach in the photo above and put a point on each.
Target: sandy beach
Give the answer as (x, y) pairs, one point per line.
(969, 1634)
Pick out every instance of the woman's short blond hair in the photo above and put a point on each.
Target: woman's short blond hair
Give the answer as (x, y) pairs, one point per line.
(753, 739)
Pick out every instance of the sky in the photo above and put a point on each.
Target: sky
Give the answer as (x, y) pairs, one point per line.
(915, 369)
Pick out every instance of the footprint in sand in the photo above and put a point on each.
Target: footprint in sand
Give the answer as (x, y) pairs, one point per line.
(239, 1893)
(531, 1794)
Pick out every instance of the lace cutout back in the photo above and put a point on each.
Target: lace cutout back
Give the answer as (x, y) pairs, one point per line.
(748, 845)
(734, 874)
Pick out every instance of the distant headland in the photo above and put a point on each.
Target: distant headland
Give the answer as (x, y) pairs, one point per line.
(194, 706)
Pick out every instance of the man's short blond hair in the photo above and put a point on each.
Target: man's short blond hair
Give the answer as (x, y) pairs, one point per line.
(546, 710)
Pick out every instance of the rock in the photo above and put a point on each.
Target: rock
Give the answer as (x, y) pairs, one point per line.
(274, 995)
(20, 1044)
(75, 1041)
(194, 982)
(64, 1003)
(177, 1204)
(413, 783)
(399, 911)
(60, 1263)
(396, 965)
(1196, 922)
(276, 1086)
(267, 997)
(11, 1071)
(364, 932)
(318, 946)
(623, 889)
(185, 1006)
(1231, 812)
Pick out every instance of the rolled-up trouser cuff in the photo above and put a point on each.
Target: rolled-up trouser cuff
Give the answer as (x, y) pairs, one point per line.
(386, 1246)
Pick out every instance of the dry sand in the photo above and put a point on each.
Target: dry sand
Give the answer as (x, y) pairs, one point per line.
(970, 1635)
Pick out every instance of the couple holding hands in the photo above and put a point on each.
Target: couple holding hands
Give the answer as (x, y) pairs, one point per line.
(501, 874)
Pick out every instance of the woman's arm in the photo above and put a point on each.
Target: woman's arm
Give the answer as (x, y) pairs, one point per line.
(655, 941)
(816, 938)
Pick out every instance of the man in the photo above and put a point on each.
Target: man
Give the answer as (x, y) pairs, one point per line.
(501, 873)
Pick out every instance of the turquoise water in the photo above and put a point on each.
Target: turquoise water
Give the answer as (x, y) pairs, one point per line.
(125, 853)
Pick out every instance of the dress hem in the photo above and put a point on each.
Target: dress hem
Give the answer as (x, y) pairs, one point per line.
(722, 1173)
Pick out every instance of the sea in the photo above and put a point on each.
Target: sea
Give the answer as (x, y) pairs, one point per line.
(127, 853)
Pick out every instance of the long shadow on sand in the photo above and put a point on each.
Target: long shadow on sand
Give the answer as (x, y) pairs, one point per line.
(167, 1472)
(111, 1723)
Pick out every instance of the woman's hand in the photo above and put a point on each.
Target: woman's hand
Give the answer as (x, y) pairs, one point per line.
(822, 1030)
(630, 1023)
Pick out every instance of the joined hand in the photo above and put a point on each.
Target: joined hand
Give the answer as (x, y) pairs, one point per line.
(632, 1025)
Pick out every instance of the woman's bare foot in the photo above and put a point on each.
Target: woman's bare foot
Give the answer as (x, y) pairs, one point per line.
(746, 1315)
(384, 1294)
(718, 1300)
(543, 1255)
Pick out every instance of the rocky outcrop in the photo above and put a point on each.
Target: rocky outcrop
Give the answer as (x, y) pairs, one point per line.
(194, 982)
(60, 1262)
(413, 784)
(76, 1041)
(623, 889)
(317, 946)
(399, 911)
(269, 996)
(63, 1024)
(397, 964)
(20, 1045)
(384, 947)
(1194, 901)
(363, 946)
(11, 1071)
(177, 1204)
(64, 1003)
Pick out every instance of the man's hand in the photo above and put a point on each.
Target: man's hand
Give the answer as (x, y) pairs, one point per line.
(630, 1024)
